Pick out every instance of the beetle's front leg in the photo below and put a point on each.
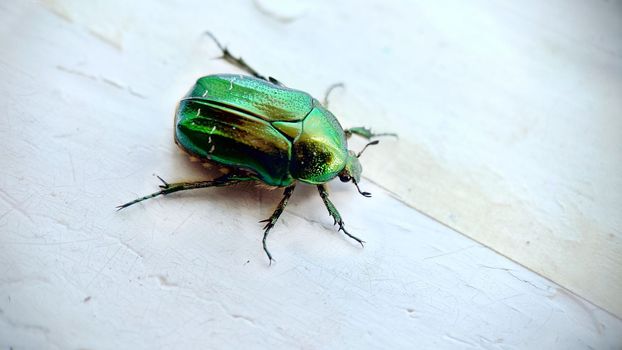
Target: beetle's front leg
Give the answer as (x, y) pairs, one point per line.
(334, 213)
(167, 188)
(275, 216)
(365, 132)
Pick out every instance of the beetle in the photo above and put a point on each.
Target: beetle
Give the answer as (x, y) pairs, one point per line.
(260, 130)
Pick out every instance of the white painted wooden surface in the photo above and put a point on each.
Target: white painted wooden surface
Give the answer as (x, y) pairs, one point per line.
(87, 92)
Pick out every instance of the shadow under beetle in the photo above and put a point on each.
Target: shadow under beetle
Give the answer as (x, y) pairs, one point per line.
(260, 130)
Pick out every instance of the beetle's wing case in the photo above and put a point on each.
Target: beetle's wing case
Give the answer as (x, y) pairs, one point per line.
(254, 96)
(278, 133)
(227, 119)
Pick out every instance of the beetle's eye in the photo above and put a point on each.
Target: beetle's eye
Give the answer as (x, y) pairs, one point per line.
(344, 178)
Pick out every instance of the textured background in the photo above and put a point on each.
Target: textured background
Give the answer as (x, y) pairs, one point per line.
(508, 117)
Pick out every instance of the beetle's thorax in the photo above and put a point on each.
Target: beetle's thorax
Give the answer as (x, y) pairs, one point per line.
(319, 152)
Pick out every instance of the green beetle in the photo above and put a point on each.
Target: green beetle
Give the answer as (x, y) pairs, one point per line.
(260, 130)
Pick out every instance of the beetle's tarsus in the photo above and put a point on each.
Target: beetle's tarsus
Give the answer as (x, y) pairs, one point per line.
(236, 61)
(335, 214)
(123, 206)
(274, 217)
(225, 180)
(365, 194)
(220, 46)
(165, 184)
(361, 242)
(265, 246)
(366, 132)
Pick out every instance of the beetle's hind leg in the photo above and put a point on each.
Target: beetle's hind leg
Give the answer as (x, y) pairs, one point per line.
(275, 216)
(366, 132)
(329, 91)
(167, 188)
(335, 214)
(236, 61)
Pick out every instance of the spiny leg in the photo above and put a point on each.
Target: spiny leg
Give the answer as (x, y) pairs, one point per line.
(167, 188)
(236, 61)
(366, 132)
(334, 213)
(275, 216)
(329, 91)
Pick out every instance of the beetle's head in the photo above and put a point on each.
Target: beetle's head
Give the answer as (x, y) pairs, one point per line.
(352, 171)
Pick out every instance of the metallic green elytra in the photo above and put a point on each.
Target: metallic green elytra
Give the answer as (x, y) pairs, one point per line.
(263, 131)
(279, 134)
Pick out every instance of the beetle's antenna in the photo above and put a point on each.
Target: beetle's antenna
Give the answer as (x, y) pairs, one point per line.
(365, 194)
(375, 142)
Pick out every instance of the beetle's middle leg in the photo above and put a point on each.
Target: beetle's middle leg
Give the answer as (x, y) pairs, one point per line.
(167, 188)
(275, 216)
(236, 61)
(334, 213)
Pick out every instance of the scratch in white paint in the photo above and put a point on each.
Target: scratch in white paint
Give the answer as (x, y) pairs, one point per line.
(460, 341)
(115, 39)
(113, 83)
(598, 327)
(452, 252)
(25, 326)
(527, 281)
(105, 80)
(103, 267)
(163, 281)
(129, 248)
(283, 11)
(73, 168)
(76, 72)
(14, 204)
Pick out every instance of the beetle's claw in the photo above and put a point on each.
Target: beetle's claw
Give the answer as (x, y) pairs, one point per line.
(269, 224)
(165, 184)
(387, 134)
(220, 46)
(265, 246)
(361, 242)
(365, 194)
